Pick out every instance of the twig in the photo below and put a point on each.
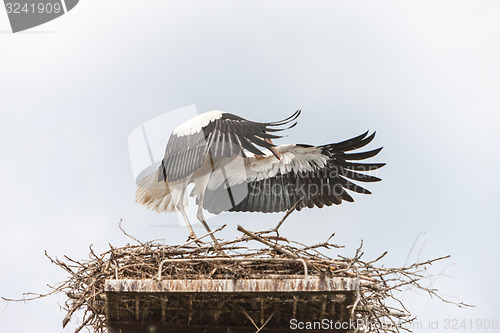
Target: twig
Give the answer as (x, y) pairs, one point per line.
(126, 234)
(413, 247)
(266, 242)
(201, 237)
(288, 213)
(380, 257)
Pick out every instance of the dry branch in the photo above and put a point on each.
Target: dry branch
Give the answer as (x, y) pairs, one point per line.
(378, 287)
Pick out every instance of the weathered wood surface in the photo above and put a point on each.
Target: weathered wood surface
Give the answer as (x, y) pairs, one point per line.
(293, 285)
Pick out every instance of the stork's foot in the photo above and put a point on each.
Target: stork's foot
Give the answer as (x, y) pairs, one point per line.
(192, 236)
(216, 244)
(219, 249)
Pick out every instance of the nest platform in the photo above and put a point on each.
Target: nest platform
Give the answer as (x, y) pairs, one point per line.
(227, 302)
(235, 286)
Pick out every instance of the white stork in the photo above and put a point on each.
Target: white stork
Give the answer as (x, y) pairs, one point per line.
(217, 152)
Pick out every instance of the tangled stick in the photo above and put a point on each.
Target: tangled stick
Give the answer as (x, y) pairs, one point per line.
(377, 287)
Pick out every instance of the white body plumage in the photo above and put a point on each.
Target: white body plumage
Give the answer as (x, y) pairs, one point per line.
(161, 197)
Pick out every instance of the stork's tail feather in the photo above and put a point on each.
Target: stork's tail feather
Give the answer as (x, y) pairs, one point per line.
(154, 195)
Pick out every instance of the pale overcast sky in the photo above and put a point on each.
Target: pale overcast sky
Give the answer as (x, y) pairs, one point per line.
(424, 74)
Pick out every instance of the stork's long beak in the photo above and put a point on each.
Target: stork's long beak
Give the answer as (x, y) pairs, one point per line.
(272, 149)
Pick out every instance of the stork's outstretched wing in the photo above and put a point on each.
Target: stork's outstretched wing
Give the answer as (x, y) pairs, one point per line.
(217, 135)
(321, 175)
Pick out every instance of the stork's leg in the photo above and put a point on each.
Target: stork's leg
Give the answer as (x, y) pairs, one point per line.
(180, 208)
(273, 149)
(200, 186)
(200, 217)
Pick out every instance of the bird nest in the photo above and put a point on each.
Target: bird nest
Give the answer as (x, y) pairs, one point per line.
(363, 291)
